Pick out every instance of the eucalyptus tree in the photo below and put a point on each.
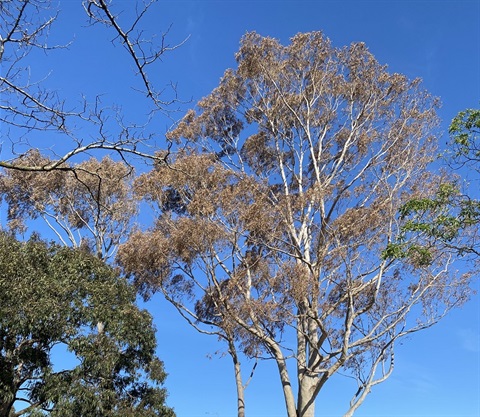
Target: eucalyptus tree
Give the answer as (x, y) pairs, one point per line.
(275, 215)
(87, 204)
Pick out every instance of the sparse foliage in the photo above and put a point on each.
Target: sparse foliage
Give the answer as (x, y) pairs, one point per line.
(274, 216)
(451, 218)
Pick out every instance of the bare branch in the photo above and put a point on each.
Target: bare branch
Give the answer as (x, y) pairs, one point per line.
(142, 51)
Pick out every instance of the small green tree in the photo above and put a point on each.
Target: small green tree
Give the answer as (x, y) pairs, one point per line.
(56, 296)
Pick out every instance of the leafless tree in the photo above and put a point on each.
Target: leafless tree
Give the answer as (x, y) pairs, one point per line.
(276, 215)
(29, 107)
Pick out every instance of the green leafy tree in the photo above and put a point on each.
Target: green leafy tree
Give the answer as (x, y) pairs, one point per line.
(450, 219)
(53, 297)
(465, 134)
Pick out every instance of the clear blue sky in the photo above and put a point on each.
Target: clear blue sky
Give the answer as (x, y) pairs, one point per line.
(438, 371)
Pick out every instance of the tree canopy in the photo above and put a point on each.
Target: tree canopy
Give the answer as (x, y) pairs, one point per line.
(61, 298)
(87, 204)
(274, 215)
(465, 133)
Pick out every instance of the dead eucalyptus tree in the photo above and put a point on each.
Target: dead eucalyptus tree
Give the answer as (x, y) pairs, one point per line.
(89, 204)
(275, 217)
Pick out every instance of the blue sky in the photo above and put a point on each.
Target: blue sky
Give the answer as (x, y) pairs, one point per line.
(438, 371)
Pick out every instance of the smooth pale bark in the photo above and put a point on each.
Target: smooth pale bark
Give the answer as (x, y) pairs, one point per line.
(286, 385)
(350, 412)
(306, 396)
(238, 381)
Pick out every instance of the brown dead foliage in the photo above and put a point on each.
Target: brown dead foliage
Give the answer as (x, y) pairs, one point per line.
(279, 206)
(92, 197)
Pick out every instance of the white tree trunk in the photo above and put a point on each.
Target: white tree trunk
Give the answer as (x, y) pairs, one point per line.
(306, 396)
(286, 385)
(240, 388)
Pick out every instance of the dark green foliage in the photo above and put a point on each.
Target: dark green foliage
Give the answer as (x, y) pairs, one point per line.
(52, 295)
(419, 255)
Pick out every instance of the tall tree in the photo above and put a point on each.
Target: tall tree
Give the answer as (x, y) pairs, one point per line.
(54, 297)
(275, 216)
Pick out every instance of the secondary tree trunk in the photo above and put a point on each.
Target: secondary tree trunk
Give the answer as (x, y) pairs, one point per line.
(240, 387)
(285, 380)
